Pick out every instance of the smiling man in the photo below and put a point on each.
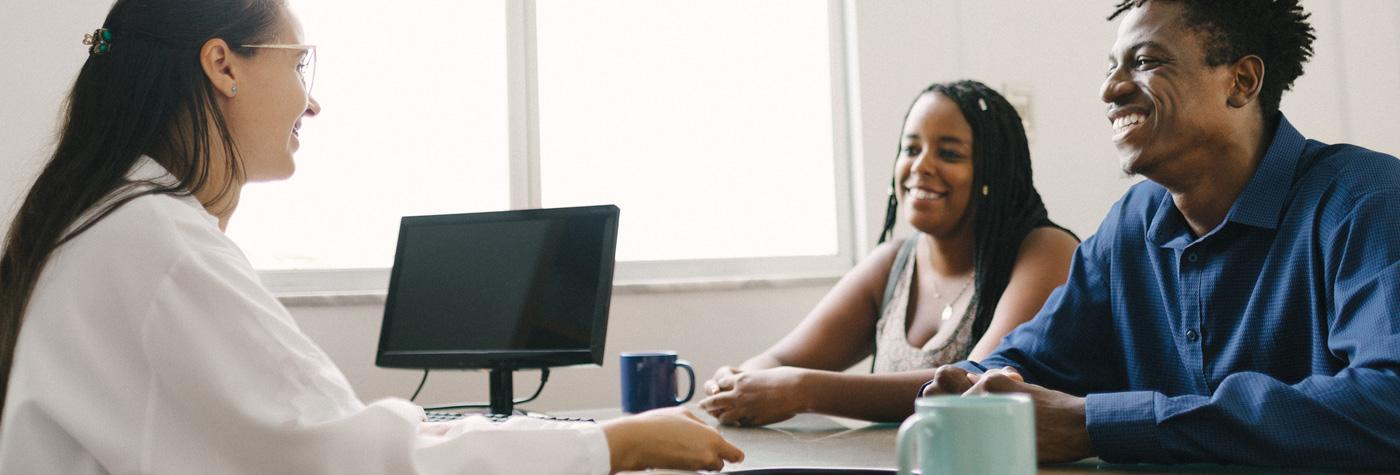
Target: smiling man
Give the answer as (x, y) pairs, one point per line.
(1243, 304)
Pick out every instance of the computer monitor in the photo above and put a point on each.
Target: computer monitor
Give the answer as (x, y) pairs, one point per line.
(501, 291)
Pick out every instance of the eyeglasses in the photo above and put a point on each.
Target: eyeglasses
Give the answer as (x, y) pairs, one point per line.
(306, 66)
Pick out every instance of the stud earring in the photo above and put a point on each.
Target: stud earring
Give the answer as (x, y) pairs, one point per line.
(985, 190)
(234, 92)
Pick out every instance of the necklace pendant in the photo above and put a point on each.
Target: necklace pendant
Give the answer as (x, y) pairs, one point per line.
(947, 312)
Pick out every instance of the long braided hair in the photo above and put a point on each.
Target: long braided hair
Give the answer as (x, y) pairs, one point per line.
(1004, 198)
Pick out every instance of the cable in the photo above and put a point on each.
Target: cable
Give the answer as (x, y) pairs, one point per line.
(420, 386)
(544, 378)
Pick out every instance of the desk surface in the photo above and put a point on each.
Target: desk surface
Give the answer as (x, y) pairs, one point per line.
(811, 440)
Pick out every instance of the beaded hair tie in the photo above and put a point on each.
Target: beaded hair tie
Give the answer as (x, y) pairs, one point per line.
(99, 41)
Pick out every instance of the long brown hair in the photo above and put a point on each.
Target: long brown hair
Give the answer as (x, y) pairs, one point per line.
(144, 94)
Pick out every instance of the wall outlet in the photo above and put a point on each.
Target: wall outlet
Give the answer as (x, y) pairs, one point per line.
(1019, 95)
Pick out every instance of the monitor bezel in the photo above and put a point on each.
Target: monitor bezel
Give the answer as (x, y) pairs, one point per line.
(507, 359)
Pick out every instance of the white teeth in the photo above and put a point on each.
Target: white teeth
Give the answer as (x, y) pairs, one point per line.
(1128, 120)
(919, 194)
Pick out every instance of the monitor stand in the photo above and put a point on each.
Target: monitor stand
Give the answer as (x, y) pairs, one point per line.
(502, 394)
(502, 391)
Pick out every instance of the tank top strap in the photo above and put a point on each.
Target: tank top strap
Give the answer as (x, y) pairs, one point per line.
(901, 260)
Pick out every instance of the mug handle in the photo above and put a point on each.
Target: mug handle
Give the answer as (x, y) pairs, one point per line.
(690, 370)
(908, 435)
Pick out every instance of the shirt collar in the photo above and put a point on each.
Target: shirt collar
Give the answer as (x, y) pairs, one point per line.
(1168, 227)
(149, 170)
(1261, 203)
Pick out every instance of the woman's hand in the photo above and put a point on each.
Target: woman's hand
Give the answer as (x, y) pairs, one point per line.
(667, 438)
(757, 397)
(949, 379)
(724, 373)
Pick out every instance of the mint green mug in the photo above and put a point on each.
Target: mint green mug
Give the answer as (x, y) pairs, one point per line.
(992, 434)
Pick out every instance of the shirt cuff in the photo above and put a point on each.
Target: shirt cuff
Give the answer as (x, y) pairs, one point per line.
(595, 444)
(1123, 427)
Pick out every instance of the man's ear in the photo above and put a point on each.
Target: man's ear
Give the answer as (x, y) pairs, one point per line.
(1248, 74)
(217, 60)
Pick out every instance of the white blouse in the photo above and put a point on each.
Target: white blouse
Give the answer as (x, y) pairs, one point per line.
(150, 346)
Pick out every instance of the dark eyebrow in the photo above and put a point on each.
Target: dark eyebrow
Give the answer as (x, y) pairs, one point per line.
(1137, 46)
(942, 139)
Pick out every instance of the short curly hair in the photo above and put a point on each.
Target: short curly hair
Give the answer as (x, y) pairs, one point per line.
(1277, 31)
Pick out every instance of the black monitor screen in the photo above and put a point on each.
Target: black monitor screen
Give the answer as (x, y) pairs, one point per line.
(501, 289)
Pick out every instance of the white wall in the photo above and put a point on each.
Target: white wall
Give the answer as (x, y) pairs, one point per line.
(40, 52)
(1055, 50)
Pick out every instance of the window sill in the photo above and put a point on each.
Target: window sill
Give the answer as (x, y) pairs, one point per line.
(377, 297)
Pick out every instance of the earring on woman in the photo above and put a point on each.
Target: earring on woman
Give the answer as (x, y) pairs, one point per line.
(234, 92)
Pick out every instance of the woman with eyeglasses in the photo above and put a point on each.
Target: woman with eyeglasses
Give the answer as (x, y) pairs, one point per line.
(982, 260)
(136, 338)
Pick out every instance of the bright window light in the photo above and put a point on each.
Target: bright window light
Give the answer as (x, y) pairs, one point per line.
(708, 123)
(414, 122)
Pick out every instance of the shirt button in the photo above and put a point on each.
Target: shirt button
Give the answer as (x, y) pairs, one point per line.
(1192, 257)
(1192, 336)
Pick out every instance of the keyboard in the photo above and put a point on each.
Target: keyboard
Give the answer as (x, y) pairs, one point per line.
(445, 416)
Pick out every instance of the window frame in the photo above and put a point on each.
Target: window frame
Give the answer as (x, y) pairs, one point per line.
(522, 85)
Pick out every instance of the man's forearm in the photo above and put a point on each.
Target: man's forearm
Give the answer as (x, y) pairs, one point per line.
(1333, 422)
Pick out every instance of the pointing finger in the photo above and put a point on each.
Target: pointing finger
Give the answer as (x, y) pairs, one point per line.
(729, 452)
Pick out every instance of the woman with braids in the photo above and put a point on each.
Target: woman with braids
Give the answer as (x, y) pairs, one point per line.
(983, 261)
(136, 338)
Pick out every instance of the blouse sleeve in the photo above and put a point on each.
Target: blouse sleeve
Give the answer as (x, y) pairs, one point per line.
(236, 387)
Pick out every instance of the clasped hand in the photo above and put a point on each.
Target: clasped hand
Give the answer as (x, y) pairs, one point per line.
(1061, 433)
(755, 398)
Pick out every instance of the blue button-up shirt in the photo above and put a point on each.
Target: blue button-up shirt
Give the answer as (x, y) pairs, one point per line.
(1274, 339)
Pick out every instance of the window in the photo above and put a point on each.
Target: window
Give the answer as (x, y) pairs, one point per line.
(708, 123)
(718, 128)
(411, 124)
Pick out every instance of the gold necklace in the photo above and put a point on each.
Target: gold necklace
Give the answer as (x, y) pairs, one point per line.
(948, 309)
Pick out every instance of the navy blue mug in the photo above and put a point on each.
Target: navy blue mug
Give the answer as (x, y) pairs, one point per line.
(649, 380)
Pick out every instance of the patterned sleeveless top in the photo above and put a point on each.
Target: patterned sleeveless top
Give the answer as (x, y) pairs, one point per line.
(892, 350)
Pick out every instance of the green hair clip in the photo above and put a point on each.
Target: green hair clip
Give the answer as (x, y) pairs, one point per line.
(99, 41)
